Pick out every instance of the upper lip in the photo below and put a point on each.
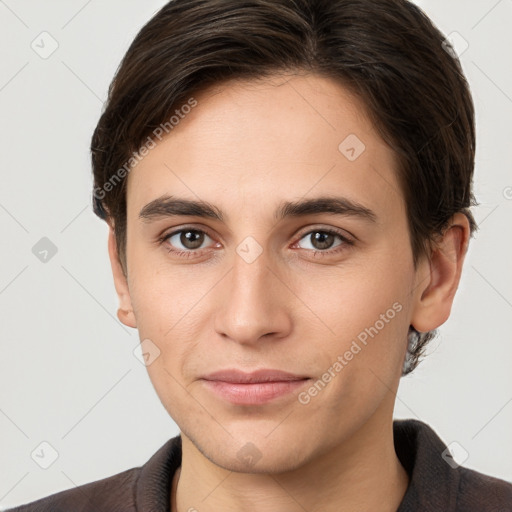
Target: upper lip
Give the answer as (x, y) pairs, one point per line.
(265, 375)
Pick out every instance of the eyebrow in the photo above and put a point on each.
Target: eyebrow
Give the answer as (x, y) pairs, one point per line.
(168, 206)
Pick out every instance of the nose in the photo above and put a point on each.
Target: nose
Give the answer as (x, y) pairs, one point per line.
(253, 302)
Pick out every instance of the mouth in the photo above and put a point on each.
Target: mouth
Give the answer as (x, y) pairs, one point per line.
(253, 388)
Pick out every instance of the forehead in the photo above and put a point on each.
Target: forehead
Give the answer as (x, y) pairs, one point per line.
(251, 144)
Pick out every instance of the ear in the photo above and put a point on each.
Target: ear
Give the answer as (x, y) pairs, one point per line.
(125, 311)
(439, 274)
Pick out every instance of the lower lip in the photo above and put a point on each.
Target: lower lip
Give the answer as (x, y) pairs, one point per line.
(253, 394)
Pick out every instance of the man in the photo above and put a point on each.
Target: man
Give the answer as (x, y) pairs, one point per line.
(288, 187)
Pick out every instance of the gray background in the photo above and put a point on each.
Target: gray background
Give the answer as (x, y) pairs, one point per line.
(68, 374)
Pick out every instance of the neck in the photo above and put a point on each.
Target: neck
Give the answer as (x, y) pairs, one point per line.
(361, 473)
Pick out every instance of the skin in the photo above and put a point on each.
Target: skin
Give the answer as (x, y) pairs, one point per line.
(245, 148)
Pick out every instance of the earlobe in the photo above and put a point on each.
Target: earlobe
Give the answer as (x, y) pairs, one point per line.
(436, 287)
(125, 310)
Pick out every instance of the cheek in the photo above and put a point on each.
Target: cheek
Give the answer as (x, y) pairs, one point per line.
(346, 301)
(160, 295)
(167, 313)
(170, 307)
(361, 317)
(358, 344)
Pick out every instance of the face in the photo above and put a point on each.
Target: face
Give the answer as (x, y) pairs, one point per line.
(299, 261)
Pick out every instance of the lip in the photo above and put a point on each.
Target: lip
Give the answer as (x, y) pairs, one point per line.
(253, 388)
(235, 376)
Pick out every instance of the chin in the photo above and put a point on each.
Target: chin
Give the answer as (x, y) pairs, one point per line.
(250, 459)
(254, 448)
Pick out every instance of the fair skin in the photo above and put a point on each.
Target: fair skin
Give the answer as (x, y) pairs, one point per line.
(246, 148)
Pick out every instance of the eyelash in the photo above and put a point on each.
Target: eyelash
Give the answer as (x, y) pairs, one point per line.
(317, 252)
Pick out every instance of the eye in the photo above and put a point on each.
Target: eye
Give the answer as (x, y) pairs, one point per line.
(321, 240)
(186, 240)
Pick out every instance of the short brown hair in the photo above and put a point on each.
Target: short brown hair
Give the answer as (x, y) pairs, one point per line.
(387, 52)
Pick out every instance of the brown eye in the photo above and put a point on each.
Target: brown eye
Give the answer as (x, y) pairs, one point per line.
(187, 239)
(321, 240)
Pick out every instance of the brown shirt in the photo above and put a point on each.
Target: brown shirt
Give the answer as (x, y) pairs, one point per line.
(436, 484)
